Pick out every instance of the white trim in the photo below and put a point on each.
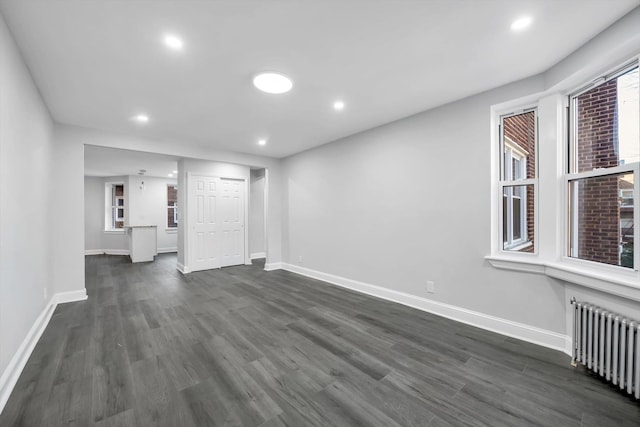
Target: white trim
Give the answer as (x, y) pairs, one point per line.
(94, 252)
(532, 334)
(270, 266)
(113, 231)
(598, 277)
(167, 250)
(183, 268)
(116, 251)
(258, 255)
(522, 264)
(71, 296)
(12, 373)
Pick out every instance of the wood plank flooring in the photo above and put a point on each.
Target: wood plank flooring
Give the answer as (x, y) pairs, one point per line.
(245, 347)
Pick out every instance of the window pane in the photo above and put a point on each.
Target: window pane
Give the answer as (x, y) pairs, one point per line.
(172, 205)
(505, 200)
(602, 219)
(519, 146)
(518, 225)
(517, 220)
(607, 130)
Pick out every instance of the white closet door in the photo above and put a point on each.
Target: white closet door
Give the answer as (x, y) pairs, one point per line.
(232, 202)
(204, 223)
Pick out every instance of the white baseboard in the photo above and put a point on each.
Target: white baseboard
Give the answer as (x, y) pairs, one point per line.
(167, 250)
(72, 296)
(116, 251)
(499, 325)
(94, 252)
(12, 373)
(182, 268)
(107, 251)
(270, 266)
(258, 255)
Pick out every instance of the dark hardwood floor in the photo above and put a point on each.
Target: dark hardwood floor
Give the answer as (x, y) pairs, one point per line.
(244, 347)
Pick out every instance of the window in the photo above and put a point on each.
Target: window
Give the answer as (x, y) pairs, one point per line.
(172, 206)
(115, 206)
(604, 151)
(518, 180)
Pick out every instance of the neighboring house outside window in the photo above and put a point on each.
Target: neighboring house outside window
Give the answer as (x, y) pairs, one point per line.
(114, 218)
(604, 153)
(172, 206)
(518, 174)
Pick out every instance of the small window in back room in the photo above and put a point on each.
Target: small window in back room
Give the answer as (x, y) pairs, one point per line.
(117, 206)
(172, 206)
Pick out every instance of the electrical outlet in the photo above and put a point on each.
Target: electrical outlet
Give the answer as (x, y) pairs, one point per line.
(431, 287)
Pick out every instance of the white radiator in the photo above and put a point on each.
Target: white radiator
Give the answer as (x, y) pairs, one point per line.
(608, 344)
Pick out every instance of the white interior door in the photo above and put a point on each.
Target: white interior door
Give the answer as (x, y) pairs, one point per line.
(204, 226)
(232, 203)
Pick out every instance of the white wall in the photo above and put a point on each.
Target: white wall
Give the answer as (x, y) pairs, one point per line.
(256, 212)
(93, 212)
(143, 207)
(410, 201)
(73, 139)
(26, 198)
(148, 206)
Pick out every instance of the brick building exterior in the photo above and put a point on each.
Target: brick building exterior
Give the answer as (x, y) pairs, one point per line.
(598, 210)
(520, 129)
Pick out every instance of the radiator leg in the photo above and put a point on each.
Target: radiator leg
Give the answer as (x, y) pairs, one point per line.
(623, 352)
(632, 327)
(608, 355)
(637, 379)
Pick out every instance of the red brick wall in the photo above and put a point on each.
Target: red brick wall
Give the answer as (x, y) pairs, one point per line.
(521, 130)
(598, 203)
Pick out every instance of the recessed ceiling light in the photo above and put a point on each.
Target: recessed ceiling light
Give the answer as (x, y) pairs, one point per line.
(173, 42)
(175, 171)
(521, 23)
(140, 118)
(170, 175)
(338, 105)
(273, 83)
(262, 142)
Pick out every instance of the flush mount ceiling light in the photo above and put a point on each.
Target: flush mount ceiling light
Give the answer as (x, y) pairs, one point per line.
(521, 23)
(175, 171)
(273, 83)
(170, 175)
(338, 105)
(262, 142)
(140, 118)
(173, 42)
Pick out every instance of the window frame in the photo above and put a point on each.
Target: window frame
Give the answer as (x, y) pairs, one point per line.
(175, 209)
(112, 206)
(514, 247)
(571, 174)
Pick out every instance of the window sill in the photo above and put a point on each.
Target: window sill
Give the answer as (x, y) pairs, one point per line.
(622, 284)
(171, 230)
(519, 246)
(113, 231)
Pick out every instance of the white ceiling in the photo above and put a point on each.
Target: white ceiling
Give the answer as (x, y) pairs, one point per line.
(103, 161)
(99, 62)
